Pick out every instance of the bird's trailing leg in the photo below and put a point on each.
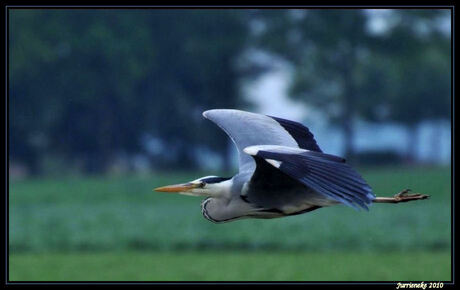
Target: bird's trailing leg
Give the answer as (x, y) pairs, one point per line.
(403, 196)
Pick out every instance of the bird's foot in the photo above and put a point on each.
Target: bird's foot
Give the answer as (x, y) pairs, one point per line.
(403, 193)
(404, 196)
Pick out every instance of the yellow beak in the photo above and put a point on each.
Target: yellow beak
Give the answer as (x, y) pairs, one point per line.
(177, 187)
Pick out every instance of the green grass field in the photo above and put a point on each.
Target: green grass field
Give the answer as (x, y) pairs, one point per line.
(113, 228)
(232, 266)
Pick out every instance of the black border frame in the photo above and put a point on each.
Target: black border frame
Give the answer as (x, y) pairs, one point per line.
(31, 5)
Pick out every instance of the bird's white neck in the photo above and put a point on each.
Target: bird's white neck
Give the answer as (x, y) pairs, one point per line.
(220, 189)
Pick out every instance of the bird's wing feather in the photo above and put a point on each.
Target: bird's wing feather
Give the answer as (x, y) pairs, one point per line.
(247, 129)
(327, 174)
(300, 133)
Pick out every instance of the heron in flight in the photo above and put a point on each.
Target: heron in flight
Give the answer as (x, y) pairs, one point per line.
(282, 172)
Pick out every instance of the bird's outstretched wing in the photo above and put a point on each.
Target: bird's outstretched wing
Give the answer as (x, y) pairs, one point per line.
(327, 174)
(247, 129)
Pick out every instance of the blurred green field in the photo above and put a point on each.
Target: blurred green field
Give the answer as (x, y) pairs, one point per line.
(232, 266)
(116, 228)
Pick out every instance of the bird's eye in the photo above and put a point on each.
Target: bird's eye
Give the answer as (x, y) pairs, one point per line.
(202, 184)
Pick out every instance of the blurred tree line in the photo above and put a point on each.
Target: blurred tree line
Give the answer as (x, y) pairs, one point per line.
(90, 84)
(398, 71)
(86, 86)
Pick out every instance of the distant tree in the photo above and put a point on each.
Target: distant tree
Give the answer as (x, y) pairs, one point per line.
(327, 49)
(412, 72)
(90, 84)
(79, 69)
(195, 70)
(346, 70)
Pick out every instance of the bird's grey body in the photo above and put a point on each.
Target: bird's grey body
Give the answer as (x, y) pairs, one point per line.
(282, 172)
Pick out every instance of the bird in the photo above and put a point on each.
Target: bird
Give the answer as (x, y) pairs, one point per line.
(282, 172)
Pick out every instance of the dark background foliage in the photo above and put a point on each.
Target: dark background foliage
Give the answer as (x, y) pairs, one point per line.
(90, 86)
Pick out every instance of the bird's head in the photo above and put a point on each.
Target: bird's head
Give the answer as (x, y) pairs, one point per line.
(211, 186)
